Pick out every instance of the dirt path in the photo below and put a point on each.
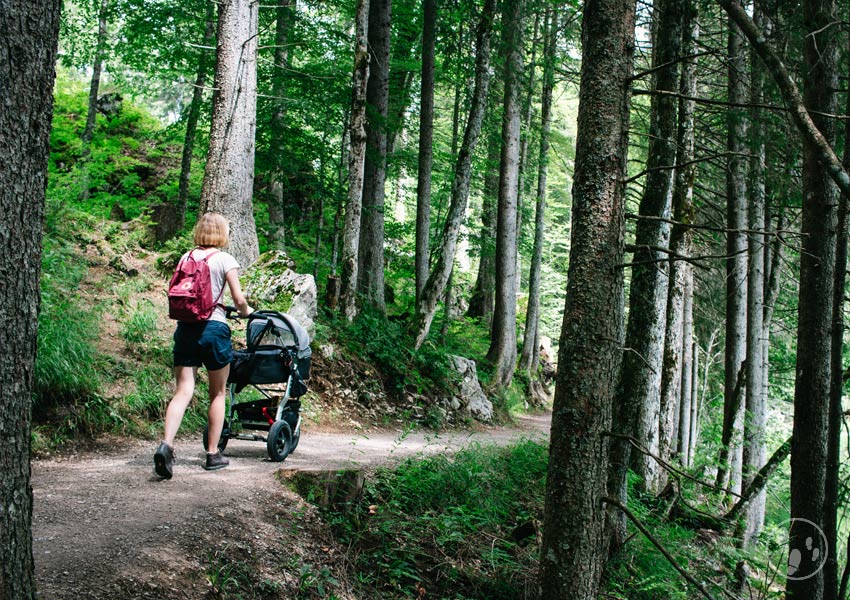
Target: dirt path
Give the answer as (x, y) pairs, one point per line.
(105, 527)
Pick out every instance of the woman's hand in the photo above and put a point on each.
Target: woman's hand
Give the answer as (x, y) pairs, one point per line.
(239, 300)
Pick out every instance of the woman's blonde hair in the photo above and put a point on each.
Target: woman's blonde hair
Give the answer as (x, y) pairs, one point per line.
(211, 230)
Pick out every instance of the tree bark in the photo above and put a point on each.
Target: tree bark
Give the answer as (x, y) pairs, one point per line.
(675, 399)
(482, 300)
(502, 352)
(356, 164)
(574, 543)
(637, 410)
(695, 403)
(370, 275)
(277, 184)
(426, 133)
(229, 174)
(836, 391)
(194, 115)
(525, 138)
(756, 403)
(27, 69)
(731, 454)
(685, 395)
(91, 115)
(439, 275)
(532, 315)
(815, 309)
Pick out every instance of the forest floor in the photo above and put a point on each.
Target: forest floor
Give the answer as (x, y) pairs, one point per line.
(105, 527)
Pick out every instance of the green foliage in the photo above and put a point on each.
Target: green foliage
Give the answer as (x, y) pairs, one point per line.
(66, 368)
(132, 155)
(445, 523)
(232, 577)
(387, 345)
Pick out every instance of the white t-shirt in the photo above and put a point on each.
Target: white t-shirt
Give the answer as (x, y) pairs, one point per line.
(220, 263)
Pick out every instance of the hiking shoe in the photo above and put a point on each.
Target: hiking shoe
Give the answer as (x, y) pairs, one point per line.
(163, 461)
(216, 461)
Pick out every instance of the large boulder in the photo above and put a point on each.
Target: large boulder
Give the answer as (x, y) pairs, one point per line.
(470, 397)
(272, 284)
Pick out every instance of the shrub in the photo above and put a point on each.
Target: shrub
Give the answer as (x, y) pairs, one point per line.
(445, 522)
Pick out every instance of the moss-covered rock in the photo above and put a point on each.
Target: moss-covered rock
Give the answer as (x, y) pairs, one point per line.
(272, 284)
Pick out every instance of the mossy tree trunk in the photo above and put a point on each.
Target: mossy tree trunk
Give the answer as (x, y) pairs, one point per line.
(356, 164)
(502, 352)
(229, 176)
(370, 274)
(574, 547)
(27, 69)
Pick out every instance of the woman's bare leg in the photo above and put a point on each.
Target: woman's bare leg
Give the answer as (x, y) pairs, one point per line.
(218, 388)
(185, 377)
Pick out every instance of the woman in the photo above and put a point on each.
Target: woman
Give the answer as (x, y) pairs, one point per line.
(206, 343)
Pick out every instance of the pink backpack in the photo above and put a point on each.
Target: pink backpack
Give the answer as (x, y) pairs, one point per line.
(190, 291)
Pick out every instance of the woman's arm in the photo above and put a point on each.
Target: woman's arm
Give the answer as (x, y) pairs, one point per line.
(232, 278)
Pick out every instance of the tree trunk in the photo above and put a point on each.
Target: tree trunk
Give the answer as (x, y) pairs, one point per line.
(229, 175)
(356, 164)
(194, 115)
(685, 396)
(27, 69)
(320, 216)
(637, 410)
(91, 115)
(370, 275)
(426, 132)
(277, 213)
(532, 315)
(447, 306)
(815, 310)
(444, 260)
(525, 139)
(675, 398)
(836, 391)
(695, 404)
(482, 300)
(574, 543)
(502, 352)
(731, 454)
(756, 403)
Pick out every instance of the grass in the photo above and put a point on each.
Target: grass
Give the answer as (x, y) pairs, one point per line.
(444, 523)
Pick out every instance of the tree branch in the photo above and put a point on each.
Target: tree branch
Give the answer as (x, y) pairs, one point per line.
(759, 481)
(688, 577)
(790, 93)
(667, 466)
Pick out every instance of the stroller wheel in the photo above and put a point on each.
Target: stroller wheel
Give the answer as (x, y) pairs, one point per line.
(279, 442)
(222, 440)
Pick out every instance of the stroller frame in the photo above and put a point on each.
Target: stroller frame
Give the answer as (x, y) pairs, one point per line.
(284, 423)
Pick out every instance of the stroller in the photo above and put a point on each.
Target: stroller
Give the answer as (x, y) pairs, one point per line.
(278, 352)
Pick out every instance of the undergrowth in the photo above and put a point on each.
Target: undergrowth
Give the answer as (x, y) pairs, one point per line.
(388, 345)
(443, 525)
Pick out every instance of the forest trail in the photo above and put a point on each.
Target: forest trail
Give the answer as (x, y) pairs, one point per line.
(105, 527)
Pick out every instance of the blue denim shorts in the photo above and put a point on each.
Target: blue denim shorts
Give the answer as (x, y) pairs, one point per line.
(207, 344)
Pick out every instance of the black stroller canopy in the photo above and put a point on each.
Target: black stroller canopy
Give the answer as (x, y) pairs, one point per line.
(266, 327)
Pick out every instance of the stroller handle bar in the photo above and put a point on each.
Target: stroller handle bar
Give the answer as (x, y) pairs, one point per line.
(231, 312)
